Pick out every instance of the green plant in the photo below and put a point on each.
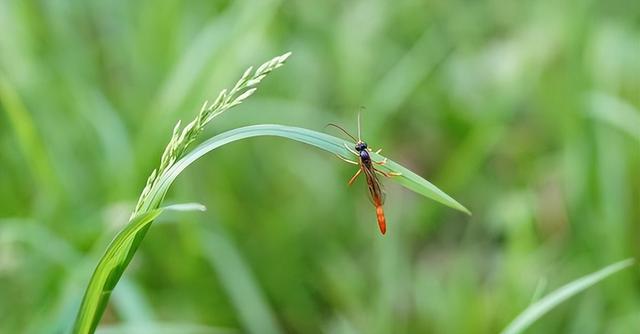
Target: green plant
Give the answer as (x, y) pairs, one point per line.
(176, 158)
(544, 305)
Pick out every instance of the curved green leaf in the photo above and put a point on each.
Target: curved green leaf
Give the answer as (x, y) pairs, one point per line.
(321, 140)
(544, 305)
(109, 270)
(113, 263)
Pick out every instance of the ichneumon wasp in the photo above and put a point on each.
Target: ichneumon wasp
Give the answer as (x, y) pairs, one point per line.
(368, 167)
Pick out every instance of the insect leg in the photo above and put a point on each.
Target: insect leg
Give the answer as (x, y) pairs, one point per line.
(346, 160)
(384, 161)
(353, 178)
(350, 149)
(387, 174)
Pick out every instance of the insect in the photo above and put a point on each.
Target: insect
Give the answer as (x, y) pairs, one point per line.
(367, 167)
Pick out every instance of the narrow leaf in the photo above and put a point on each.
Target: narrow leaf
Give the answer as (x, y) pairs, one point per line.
(321, 140)
(186, 207)
(112, 264)
(544, 305)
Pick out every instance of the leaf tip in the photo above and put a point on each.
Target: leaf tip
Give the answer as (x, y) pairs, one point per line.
(186, 207)
(456, 205)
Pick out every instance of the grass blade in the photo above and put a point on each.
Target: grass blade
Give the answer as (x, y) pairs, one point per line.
(108, 272)
(615, 112)
(112, 265)
(27, 136)
(320, 140)
(544, 305)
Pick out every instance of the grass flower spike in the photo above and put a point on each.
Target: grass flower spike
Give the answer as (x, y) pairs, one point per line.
(182, 138)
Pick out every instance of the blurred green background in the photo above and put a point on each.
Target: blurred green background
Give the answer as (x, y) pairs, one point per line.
(527, 112)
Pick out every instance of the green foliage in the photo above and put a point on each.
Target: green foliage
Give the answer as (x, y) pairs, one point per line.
(108, 271)
(526, 112)
(121, 250)
(546, 304)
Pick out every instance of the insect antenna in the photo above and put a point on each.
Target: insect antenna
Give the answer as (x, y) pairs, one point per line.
(359, 127)
(343, 130)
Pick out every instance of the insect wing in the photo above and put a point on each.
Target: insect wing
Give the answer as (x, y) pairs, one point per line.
(376, 192)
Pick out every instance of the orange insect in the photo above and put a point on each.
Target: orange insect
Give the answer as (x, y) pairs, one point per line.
(376, 193)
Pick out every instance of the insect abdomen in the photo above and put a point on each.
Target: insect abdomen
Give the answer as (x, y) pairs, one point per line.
(382, 222)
